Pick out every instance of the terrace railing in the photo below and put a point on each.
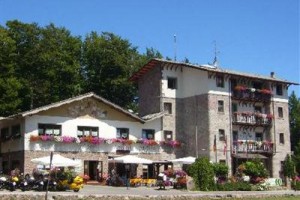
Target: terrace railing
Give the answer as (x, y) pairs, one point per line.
(244, 93)
(251, 146)
(252, 118)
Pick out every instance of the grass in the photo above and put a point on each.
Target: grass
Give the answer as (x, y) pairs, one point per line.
(29, 197)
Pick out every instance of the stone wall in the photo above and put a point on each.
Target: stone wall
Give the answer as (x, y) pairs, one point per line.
(89, 156)
(149, 92)
(280, 125)
(191, 113)
(14, 160)
(220, 120)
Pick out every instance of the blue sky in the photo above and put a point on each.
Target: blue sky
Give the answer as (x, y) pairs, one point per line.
(254, 36)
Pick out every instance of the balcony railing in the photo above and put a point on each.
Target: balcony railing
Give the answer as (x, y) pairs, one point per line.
(252, 118)
(250, 146)
(252, 94)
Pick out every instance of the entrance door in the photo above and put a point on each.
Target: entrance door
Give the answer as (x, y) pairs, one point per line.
(91, 169)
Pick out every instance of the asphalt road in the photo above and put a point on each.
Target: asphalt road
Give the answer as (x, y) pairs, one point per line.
(153, 192)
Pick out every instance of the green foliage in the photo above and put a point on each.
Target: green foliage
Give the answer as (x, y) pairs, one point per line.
(296, 157)
(10, 86)
(42, 65)
(202, 172)
(9, 101)
(294, 108)
(296, 185)
(234, 186)
(46, 63)
(289, 167)
(294, 116)
(220, 169)
(255, 168)
(108, 62)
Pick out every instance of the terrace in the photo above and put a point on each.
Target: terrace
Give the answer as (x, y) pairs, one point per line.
(252, 146)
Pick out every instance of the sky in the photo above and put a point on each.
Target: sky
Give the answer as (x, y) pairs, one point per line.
(251, 36)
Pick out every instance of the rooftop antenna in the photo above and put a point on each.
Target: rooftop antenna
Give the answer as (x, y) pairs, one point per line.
(215, 62)
(175, 47)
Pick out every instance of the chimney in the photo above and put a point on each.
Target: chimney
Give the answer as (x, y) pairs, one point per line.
(272, 74)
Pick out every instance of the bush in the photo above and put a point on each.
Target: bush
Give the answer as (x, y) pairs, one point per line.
(234, 186)
(203, 174)
(296, 183)
(289, 167)
(220, 169)
(256, 170)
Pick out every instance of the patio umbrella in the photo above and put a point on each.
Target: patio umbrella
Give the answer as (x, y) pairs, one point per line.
(130, 159)
(184, 160)
(57, 161)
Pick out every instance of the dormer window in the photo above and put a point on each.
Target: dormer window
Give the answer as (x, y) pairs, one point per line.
(220, 81)
(172, 83)
(257, 85)
(279, 90)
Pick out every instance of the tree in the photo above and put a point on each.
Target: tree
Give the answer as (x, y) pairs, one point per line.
(289, 167)
(10, 86)
(108, 62)
(294, 112)
(26, 37)
(202, 172)
(296, 157)
(42, 65)
(60, 69)
(47, 63)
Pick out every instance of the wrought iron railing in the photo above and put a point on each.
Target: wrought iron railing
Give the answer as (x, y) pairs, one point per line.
(252, 118)
(250, 146)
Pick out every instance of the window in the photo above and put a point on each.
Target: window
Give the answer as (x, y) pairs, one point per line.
(123, 133)
(233, 83)
(172, 83)
(148, 134)
(220, 106)
(279, 90)
(281, 138)
(234, 107)
(220, 81)
(5, 134)
(221, 135)
(258, 137)
(49, 129)
(280, 112)
(16, 130)
(87, 131)
(222, 162)
(168, 108)
(168, 135)
(257, 85)
(258, 109)
(235, 135)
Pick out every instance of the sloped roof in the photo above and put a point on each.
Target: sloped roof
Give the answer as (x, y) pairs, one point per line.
(74, 99)
(153, 116)
(156, 62)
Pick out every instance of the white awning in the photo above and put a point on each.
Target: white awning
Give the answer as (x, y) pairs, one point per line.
(130, 159)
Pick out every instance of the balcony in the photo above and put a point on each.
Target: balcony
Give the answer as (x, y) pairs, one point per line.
(251, 94)
(252, 118)
(251, 146)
